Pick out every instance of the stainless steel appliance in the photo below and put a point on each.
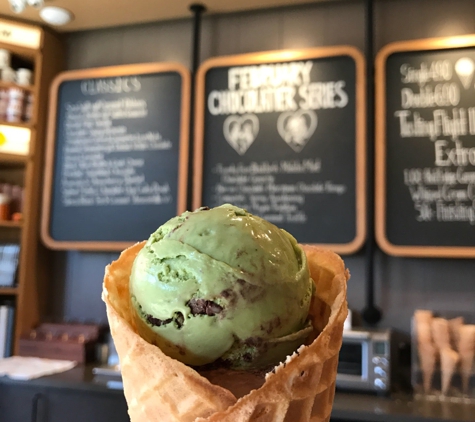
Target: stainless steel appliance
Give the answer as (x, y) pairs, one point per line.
(366, 360)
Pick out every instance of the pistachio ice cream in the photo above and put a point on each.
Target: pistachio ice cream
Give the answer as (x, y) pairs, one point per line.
(222, 285)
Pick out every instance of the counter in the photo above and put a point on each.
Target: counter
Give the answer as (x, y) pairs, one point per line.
(351, 407)
(398, 408)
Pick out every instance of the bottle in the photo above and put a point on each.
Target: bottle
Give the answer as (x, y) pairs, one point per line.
(4, 206)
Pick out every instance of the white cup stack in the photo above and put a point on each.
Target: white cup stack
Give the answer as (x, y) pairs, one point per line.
(15, 106)
(5, 58)
(24, 76)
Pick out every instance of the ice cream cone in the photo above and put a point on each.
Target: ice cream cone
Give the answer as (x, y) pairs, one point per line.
(441, 333)
(422, 315)
(423, 333)
(160, 389)
(422, 325)
(454, 328)
(466, 349)
(448, 362)
(427, 359)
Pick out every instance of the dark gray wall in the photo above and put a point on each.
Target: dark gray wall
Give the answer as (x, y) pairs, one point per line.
(402, 285)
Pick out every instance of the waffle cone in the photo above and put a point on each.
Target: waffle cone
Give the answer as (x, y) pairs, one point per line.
(466, 347)
(441, 333)
(454, 327)
(161, 389)
(427, 359)
(422, 315)
(448, 362)
(424, 335)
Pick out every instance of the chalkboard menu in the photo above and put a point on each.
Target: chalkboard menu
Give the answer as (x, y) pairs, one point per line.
(117, 155)
(425, 148)
(282, 134)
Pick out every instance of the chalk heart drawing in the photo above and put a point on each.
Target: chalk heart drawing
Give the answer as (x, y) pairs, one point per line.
(241, 131)
(296, 127)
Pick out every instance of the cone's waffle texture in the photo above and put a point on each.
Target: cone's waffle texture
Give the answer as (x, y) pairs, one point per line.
(422, 315)
(466, 349)
(454, 327)
(441, 333)
(448, 362)
(428, 359)
(161, 389)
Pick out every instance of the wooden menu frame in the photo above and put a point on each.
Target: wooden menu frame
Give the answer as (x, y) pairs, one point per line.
(281, 57)
(430, 44)
(107, 72)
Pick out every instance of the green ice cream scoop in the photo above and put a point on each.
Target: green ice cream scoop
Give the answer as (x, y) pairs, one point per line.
(222, 284)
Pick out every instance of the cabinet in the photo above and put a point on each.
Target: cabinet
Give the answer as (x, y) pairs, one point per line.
(27, 402)
(41, 51)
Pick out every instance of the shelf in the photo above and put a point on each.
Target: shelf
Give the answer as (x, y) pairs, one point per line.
(13, 158)
(29, 88)
(8, 291)
(17, 124)
(10, 223)
(21, 164)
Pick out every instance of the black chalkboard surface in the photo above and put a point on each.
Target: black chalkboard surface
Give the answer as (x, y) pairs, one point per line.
(117, 155)
(282, 135)
(426, 148)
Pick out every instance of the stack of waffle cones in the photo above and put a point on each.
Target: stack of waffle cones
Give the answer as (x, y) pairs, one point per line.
(449, 342)
(159, 388)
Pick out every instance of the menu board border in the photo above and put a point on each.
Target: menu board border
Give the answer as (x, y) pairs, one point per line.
(281, 56)
(421, 45)
(107, 72)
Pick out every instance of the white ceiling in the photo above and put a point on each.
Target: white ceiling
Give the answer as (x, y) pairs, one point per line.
(93, 14)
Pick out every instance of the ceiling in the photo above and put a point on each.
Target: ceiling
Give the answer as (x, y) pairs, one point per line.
(94, 14)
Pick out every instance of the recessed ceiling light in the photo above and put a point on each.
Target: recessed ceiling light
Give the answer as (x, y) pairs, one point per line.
(56, 15)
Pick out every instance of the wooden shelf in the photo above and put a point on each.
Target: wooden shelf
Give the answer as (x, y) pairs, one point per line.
(34, 265)
(13, 158)
(7, 85)
(10, 223)
(8, 291)
(17, 124)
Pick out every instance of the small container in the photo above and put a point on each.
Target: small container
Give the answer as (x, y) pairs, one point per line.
(4, 207)
(5, 58)
(8, 74)
(4, 99)
(28, 109)
(16, 105)
(16, 199)
(13, 114)
(24, 76)
(16, 94)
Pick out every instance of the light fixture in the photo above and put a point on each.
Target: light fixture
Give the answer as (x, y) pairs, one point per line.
(17, 6)
(37, 4)
(56, 15)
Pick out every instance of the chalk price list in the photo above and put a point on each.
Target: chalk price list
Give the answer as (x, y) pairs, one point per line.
(258, 187)
(104, 161)
(442, 195)
(434, 106)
